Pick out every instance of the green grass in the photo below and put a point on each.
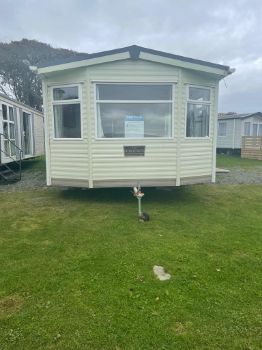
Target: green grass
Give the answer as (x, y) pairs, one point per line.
(76, 269)
(231, 161)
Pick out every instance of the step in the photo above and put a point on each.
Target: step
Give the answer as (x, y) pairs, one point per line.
(6, 171)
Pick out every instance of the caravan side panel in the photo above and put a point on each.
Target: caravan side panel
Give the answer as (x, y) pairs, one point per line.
(39, 134)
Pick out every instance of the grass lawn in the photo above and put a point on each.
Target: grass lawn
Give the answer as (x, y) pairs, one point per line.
(76, 269)
(231, 161)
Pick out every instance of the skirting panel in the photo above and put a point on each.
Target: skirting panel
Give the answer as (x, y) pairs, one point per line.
(196, 180)
(130, 182)
(69, 182)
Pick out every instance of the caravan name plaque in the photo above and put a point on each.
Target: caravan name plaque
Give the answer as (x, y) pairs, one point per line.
(134, 151)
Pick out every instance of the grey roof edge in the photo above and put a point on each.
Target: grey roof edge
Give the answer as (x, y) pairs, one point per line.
(239, 116)
(134, 51)
(21, 104)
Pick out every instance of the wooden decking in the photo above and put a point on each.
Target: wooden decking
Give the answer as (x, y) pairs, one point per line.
(251, 147)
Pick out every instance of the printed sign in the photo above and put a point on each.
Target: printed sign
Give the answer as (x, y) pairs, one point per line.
(134, 126)
(134, 151)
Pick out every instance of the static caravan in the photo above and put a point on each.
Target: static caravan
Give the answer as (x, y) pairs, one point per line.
(232, 127)
(130, 116)
(21, 133)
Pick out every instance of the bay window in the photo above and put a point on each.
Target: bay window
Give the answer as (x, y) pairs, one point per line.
(67, 112)
(134, 110)
(198, 112)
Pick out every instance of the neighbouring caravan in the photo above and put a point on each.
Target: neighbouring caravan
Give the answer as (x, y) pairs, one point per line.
(130, 116)
(233, 126)
(21, 133)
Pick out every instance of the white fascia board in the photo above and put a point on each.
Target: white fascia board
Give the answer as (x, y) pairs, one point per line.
(84, 63)
(183, 64)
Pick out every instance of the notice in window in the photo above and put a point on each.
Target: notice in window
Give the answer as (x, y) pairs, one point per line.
(134, 126)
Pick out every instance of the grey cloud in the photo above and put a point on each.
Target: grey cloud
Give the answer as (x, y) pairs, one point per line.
(227, 32)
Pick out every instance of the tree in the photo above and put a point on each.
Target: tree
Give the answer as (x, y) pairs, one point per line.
(16, 78)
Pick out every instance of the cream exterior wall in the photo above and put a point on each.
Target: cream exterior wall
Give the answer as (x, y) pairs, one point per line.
(91, 159)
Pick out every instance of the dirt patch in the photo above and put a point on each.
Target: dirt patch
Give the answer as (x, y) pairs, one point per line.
(10, 305)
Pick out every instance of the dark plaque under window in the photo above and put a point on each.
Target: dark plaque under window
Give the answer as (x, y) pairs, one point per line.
(134, 151)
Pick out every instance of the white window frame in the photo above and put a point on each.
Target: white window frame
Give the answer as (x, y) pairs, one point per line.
(208, 103)
(250, 129)
(258, 125)
(8, 121)
(219, 123)
(63, 102)
(172, 101)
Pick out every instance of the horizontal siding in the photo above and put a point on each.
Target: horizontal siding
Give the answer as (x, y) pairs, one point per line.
(196, 158)
(226, 141)
(109, 162)
(133, 71)
(69, 159)
(238, 132)
(39, 135)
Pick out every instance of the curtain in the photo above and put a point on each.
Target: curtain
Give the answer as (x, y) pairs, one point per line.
(58, 121)
(100, 132)
(197, 120)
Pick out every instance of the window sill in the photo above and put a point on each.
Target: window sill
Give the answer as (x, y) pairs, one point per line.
(134, 139)
(67, 139)
(197, 138)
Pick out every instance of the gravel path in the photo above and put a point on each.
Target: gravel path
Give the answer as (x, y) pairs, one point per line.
(35, 179)
(241, 176)
(31, 179)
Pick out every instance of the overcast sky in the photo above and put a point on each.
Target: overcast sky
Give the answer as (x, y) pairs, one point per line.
(224, 31)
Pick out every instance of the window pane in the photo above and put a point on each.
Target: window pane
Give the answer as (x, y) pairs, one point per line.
(254, 130)
(7, 149)
(12, 131)
(11, 114)
(197, 120)
(247, 129)
(260, 130)
(134, 92)
(4, 111)
(222, 129)
(5, 130)
(199, 94)
(134, 120)
(65, 93)
(13, 148)
(67, 121)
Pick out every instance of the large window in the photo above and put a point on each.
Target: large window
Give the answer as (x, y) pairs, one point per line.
(134, 110)
(222, 128)
(67, 112)
(198, 112)
(8, 130)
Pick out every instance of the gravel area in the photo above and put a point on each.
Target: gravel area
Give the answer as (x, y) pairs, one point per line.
(241, 176)
(31, 179)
